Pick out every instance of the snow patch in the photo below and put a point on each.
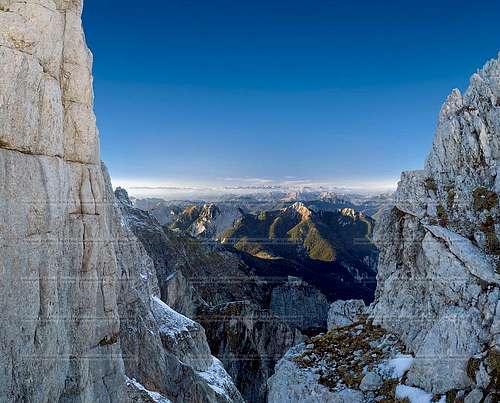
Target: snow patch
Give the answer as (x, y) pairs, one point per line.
(396, 367)
(415, 395)
(217, 378)
(172, 322)
(154, 396)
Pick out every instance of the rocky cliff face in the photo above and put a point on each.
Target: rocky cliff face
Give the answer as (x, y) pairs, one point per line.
(58, 268)
(438, 281)
(249, 341)
(301, 305)
(79, 296)
(438, 274)
(162, 350)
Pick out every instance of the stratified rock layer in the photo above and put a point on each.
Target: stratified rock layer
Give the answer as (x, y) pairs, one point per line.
(58, 268)
(79, 299)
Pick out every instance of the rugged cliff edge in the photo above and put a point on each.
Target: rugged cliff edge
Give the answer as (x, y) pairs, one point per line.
(81, 317)
(438, 281)
(58, 267)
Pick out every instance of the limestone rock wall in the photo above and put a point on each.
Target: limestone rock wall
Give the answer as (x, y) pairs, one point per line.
(433, 332)
(438, 281)
(57, 266)
(79, 296)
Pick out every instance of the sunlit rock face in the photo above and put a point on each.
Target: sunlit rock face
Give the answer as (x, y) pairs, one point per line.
(58, 267)
(79, 299)
(438, 281)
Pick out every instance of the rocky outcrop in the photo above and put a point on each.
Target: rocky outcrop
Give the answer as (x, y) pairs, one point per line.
(79, 294)
(208, 221)
(438, 281)
(302, 306)
(344, 313)
(58, 267)
(438, 284)
(359, 363)
(249, 341)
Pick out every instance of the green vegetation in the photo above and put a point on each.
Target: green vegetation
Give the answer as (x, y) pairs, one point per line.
(317, 247)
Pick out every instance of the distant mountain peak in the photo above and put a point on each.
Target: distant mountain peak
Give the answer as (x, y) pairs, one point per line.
(301, 209)
(348, 212)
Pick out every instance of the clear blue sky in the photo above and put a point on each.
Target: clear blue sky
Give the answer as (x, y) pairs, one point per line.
(199, 90)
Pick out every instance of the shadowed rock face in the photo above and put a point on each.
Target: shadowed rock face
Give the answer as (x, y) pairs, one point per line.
(249, 341)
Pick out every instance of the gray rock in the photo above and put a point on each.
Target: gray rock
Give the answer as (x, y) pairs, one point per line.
(438, 285)
(58, 268)
(300, 304)
(291, 384)
(474, 397)
(344, 313)
(371, 381)
(77, 286)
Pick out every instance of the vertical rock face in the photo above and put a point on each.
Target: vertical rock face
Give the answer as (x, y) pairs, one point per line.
(301, 305)
(79, 297)
(438, 282)
(58, 268)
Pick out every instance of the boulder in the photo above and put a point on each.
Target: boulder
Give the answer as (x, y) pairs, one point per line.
(343, 313)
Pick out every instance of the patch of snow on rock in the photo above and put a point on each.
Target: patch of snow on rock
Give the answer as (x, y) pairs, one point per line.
(415, 395)
(218, 379)
(141, 390)
(398, 366)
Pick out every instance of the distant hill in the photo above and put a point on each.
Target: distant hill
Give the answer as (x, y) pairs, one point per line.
(206, 221)
(335, 246)
(167, 212)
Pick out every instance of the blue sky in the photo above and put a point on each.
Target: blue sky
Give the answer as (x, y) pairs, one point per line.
(223, 91)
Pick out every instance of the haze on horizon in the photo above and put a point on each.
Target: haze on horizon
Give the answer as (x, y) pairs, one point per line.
(228, 94)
